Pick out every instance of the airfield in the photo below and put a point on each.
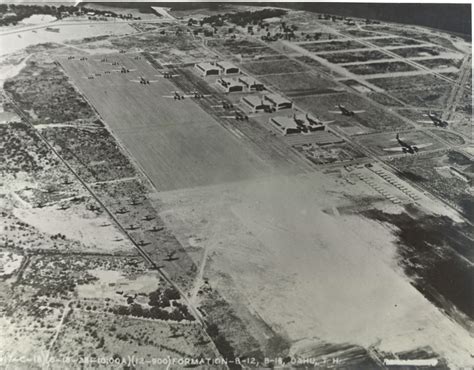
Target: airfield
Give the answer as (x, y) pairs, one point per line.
(149, 211)
(175, 142)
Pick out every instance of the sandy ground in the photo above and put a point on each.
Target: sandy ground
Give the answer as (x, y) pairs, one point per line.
(14, 42)
(144, 283)
(310, 274)
(76, 226)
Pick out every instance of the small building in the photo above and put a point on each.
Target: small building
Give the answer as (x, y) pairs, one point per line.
(251, 84)
(207, 69)
(278, 102)
(230, 85)
(285, 125)
(255, 103)
(228, 68)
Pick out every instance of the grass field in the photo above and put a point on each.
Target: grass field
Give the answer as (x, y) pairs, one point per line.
(176, 143)
(274, 67)
(355, 56)
(373, 117)
(375, 68)
(380, 141)
(333, 46)
(296, 83)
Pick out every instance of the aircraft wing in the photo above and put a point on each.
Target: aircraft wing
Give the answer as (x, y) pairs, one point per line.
(335, 111)
(396, 149)
(425, 121)
(423, 145)
(358, 111)
(169, 96)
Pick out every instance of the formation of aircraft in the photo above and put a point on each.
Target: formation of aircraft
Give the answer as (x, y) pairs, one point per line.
(436, 120)
(144, 81)
(177, 95)
(167, 75)
(346, 112)
(405, 147)
(239, 116)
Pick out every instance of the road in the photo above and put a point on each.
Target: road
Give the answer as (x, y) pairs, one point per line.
(145, 256)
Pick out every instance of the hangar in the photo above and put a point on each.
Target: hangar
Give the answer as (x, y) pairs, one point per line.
(285, 125)
(228, 68)
(278, 102)
(295, 124)
(230, 85)
(207, 69)
(251, 84)
(256, 103)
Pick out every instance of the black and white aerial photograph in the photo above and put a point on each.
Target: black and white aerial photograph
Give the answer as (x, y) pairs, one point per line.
(236, 185)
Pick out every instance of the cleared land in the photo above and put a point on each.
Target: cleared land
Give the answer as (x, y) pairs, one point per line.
(394, 41)
(299, 83)
(379, 142)
(356, 56)
(175, 142)
(333, 45)
(262, 218)
(274, 67)
(369, 120)
(375, 68)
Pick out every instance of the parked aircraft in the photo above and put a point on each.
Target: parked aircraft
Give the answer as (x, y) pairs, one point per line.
(170, 256)
(148, 218)
(155, 229)
(122, 210)
(346, 112)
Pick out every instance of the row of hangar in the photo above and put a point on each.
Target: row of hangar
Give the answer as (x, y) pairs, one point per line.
(257, 103)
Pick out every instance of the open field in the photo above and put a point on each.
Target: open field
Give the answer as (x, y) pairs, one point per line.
(379, 142)
(409, 82)
(333, 45)
(273, 67)
(356, 56)
(303, 83)
(423, 51)
(433, 173)
(435, 98)
(263, 217)
(394, 41)
(242, 47)
(321, 105)
(360, 33)
(437, 63)
(176, 143)
(376, 68)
